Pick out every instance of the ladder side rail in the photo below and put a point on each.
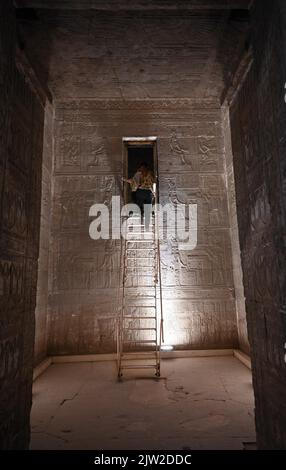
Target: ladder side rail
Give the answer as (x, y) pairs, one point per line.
(159, 274)
(121, 320)
(122, 304)
(161, 298)
(157, 352)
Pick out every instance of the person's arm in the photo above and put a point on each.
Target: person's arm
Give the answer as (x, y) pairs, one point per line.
(134, 182)
(153, 180)
(126, 180)
(137, 178)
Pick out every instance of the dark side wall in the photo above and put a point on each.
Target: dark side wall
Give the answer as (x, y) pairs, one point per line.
(21, 129)
(258, 117)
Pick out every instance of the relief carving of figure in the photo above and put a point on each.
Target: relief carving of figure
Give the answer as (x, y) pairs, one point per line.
(178, 150)
(97, 154)
(207, 146)
(70, 149)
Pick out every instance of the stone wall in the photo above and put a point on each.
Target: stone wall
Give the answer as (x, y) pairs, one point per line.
(236, 253)
(21, 129)
(198, 290)
(258, 117)
(41, 312)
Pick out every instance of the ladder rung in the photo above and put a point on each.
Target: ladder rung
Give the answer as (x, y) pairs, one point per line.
(140, 273)
(140, 341)
(139, 366)
(139, 249)
(138, 317)
(138, 329)
(136, 287)
(135, 265)
(145, 275)
(142, 235)
(142, 267)
(138, 217)
(142, 230)
(145, 297)
(133, 356)
(133, 258)
(141, 306)
(141, 225)
(152, 223)
(139, 257)
(151, 259)
(140, 241)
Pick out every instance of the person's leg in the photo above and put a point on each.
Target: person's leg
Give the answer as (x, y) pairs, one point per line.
(147, 208)
(140, 200)
(134, 198)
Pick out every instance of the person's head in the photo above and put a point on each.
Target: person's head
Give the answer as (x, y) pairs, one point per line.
(143, 167)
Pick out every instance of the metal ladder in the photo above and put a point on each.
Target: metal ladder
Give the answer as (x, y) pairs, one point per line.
(140, 320)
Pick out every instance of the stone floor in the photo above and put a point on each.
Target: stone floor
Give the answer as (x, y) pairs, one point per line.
(199, 403)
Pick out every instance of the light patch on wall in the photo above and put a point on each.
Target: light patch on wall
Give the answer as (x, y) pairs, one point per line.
(167, 347)
(139, 139)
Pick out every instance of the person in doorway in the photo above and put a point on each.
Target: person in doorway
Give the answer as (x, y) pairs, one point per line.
(134, 184)
(143, 186)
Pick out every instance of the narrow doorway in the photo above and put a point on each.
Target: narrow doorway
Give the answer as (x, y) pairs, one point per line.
(137, 151)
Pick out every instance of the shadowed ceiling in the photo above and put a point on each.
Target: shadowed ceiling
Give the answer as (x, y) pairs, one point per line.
(142, 49)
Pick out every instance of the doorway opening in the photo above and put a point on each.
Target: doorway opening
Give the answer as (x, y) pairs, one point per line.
(138, 150)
